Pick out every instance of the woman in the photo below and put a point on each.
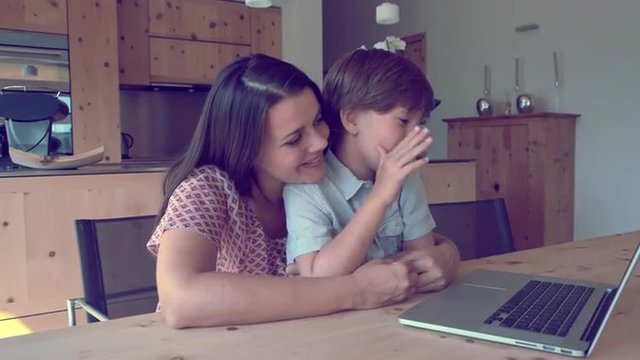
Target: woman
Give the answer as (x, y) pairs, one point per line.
(221, 239)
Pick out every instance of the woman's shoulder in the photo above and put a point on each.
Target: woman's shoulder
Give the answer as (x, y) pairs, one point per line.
(207, 177)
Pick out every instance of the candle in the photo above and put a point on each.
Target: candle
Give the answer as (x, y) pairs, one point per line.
(486, 79)
(517, 74)
(555, 68)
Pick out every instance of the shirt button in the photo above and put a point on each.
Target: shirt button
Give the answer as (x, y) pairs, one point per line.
(368, 184)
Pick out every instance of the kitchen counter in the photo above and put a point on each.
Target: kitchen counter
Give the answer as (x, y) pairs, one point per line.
(126, 167)
(132, 166)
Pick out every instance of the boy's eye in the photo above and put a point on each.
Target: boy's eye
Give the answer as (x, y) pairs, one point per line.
(404, 122)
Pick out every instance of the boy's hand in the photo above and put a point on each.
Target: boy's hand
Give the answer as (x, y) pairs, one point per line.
(395, 166)
(436, 266)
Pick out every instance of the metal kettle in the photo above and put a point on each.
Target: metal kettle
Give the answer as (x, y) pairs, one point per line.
(126, 143)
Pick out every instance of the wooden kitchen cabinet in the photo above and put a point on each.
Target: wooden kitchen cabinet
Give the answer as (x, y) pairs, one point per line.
(39, 259)
(48, 16)
(266, 32)
(190, 62)
(133, 42)
(530, 161)
(205, 20)
(189, 41)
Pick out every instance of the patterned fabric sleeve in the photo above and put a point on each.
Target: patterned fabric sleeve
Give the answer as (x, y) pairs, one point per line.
(198, 204)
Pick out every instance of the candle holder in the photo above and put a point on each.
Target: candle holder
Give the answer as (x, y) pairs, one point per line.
(524, 101)
(484, 105)
(556, 82)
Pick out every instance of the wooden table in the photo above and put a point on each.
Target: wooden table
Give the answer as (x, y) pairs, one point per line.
(371, 334)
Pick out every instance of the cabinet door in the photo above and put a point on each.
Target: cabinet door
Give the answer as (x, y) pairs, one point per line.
(133, 42)
(266, 32)
(39, 259)
(501, 153)
(49, 16)
(207, 20)
(416, 50)
(190, 62)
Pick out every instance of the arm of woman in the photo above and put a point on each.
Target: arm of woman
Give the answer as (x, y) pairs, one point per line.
(193, 294)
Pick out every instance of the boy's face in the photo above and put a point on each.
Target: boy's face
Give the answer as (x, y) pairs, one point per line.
(384, 129)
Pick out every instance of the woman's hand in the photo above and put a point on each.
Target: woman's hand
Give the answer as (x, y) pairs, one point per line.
(436, 266)
(395, 166)
(378, 283)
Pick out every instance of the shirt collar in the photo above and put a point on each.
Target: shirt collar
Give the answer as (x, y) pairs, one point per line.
(340, 175)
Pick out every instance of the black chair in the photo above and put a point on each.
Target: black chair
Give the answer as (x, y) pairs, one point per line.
(479, 228)
(118, 273)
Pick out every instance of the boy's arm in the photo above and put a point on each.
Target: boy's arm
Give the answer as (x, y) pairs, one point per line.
(347, 250)
(422, 242)
(432, 256)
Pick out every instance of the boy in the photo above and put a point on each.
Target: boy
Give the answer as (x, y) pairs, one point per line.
(372, 202)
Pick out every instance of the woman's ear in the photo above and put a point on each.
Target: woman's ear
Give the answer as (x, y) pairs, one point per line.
(348, 117)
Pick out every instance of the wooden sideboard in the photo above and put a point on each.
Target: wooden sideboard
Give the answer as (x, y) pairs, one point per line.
(450, 181)
(530, 161)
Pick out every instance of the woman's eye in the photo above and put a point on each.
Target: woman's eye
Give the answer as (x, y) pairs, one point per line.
(293, 141)
(404, 122)
(318, 121)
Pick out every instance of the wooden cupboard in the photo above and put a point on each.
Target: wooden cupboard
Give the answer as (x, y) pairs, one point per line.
(530, 161)
(189, 41)
(38, 250)
(266, 32)
(190, 62)
(48, 16)
(204, 20)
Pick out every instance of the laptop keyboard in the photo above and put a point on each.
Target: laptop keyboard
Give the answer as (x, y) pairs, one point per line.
(543, 307)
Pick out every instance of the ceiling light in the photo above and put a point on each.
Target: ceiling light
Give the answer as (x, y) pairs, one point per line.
(387, 13)
(258, 3)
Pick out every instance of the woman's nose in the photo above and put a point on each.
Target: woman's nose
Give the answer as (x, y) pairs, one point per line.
(318, 141)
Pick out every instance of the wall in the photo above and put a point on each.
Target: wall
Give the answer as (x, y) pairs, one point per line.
(302, 35)
(599, 55)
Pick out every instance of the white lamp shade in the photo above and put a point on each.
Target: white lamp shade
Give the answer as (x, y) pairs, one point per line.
(258, 3)
(387, 13)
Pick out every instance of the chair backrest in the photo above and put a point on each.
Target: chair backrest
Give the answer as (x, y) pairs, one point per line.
(479, 228)
(118, 273)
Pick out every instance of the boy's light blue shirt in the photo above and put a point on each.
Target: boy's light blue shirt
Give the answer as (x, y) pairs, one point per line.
(316, 213)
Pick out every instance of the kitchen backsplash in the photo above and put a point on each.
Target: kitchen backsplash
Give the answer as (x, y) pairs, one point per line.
(160, 122)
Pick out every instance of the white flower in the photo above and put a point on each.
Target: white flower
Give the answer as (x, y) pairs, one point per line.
(395, 43)
(391, 43)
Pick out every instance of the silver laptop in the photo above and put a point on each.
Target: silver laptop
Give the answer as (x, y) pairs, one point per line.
(551, 314)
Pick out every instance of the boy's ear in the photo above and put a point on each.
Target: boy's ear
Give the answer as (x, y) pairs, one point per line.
(348, 119)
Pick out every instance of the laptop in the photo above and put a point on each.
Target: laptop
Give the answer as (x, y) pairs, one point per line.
(551, 314)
